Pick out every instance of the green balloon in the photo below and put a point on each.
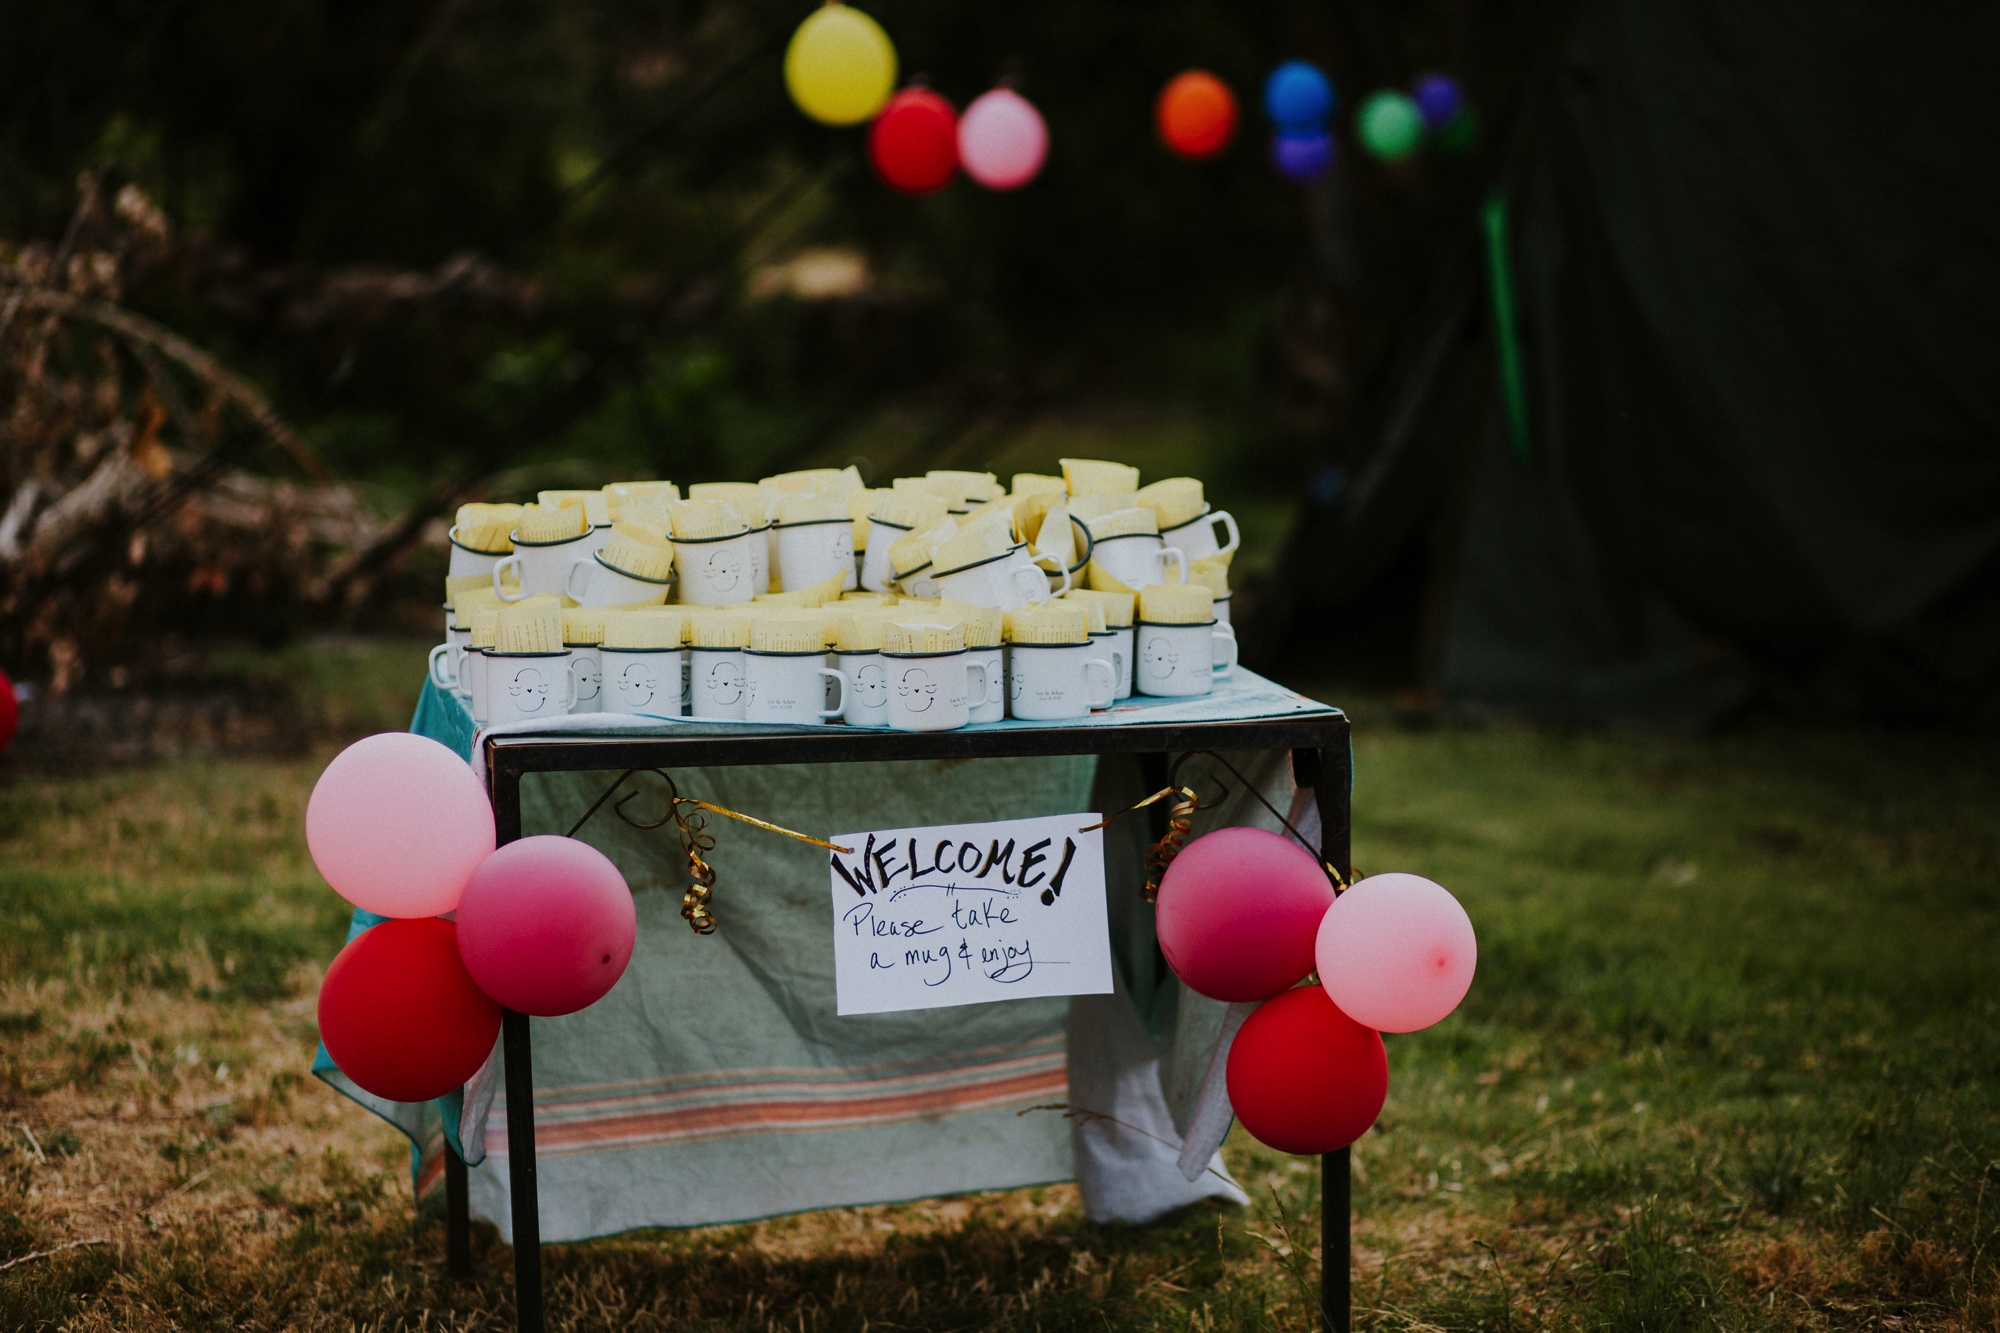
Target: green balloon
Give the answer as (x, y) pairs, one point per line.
(1390, 125)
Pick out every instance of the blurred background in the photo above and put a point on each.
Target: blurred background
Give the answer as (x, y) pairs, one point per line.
(286, 282)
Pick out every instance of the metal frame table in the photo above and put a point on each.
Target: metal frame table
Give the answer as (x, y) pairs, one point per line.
(1321, 760)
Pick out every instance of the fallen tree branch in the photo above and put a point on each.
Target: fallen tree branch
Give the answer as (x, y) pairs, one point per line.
(60, 1249)
(231, 385)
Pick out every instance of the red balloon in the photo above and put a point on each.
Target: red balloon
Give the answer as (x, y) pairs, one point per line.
(914, 142)
(400, 1014)
(10, 712)
(1304, 1077)
(1196, 114)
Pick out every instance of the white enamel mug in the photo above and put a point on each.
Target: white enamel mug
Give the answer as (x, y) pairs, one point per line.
(1110, 645)
(719, 571)
(764, 557)
(1122, 647)
(994, 707)
(876, 575)
(1139, 559)
(791, 687)
(466, 562)
(442, 669)
(1182, 660)
(1196, 537)
(1222, 607)
(587, 669)
(599, 534)
(934, 691)
(460, 639)
(526, 687)
(922, 583)
(813, 552)
(1048, 682)
(602, 585)
(1058, 582)
(475, 670)
(641, 681)
(867, 689)
(1001, 582)
(543, 567)
(720, 691)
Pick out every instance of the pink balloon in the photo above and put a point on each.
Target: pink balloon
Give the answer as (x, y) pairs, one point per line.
(397, 823)
(1237, 913)
(547, 925)
(1396, 952)
(1002, 140)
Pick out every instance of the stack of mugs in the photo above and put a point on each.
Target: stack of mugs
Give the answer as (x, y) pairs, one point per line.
(808, 598)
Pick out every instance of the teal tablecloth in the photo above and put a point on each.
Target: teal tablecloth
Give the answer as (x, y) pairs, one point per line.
(715, 1082)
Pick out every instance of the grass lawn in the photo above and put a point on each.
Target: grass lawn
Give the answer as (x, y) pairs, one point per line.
(1732, 1060)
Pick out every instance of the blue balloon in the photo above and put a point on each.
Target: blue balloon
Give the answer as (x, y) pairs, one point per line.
(1302, 155)
(1298, 97)
(1439, 99)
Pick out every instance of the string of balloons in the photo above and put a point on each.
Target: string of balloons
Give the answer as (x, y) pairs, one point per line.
(841, 68)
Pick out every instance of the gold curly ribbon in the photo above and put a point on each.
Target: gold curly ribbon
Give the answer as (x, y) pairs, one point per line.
(1180, 823)
(1161, 854)
(695, 840)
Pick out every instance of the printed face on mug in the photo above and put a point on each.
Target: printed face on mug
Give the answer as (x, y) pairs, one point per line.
(723, 683)
(1182, 660)
(918, 690)
(718, 572)
(638, 685)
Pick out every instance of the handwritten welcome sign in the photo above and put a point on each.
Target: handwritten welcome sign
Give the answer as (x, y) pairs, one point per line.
(955, 914)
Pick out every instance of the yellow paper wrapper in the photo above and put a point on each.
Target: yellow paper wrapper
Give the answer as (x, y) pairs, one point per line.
(1175, 501)
(718, 629)
(485, 626)
(1177, 604)
(702, 520)
(900, 636)
(860, 631)
(652, 627)
(583, 625)
(1092, 476)
(1118, 606)
(531, 626)
(984, 625)
(788, 632)
(487, 528)
(1212, 573)
(1054, 622)
(811, 508)
(747, 498)
(819, 594)
(596, 505)
(544, 523)
(1037, 483)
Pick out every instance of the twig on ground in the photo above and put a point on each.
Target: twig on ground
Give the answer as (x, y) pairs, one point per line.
(43, 1254)
(35, 1143)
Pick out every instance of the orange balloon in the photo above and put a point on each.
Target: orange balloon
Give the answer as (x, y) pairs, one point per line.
(1196, 114)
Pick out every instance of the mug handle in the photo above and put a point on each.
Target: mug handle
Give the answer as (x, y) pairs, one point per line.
(1224, 634)
(1089, 543)
(514, 562)
(1228, 520)
(1176, 556)
(1110, 680)
(985, 684)
(569, 684)
(1067, 584)
(846, 686)
(449, 679)
(1034, 584)
(569, 579)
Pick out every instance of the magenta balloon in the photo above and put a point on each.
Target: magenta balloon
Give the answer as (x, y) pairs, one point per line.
(1238, 912)
(546, 925)
(397, 823)
(1396, 953)
(1002, 141)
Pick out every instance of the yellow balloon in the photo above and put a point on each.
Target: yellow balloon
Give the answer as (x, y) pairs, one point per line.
(840, 67)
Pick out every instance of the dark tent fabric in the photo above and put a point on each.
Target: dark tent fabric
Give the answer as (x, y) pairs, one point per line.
(1757, 249)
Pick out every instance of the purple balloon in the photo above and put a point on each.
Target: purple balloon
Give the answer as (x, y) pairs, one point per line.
(1439, 99)
(1302, 157)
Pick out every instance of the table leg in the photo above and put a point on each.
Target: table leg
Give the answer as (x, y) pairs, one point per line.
(457, 1216)
(521, 1173)
(1330, 775)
